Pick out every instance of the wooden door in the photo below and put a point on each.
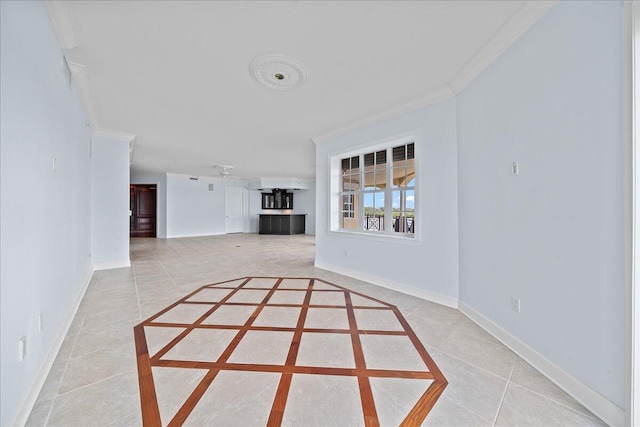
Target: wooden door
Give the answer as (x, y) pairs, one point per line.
(142, 202)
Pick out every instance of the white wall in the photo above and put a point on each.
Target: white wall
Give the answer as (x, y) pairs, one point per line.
(427, 266)
(193, 210)
(110, 162)
(161, 202)
(633, 310)
(552, 236)
(255, 208)
(45, 215)
(304, 202)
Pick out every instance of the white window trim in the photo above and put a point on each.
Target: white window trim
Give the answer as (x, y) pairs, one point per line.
(335, 203)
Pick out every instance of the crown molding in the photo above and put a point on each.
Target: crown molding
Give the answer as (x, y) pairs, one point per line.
(61, 17)
(81, 82)
(63, 22)
(127, 137)
(526, 16)
(132, 146)
(441, 93)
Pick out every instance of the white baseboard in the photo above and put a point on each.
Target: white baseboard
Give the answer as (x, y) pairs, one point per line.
(390, 284)
(180, 236)
(602, 407)
(110, 265)
(45, 366)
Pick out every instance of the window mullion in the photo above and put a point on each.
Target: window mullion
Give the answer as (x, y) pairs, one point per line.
(360, 192)
(388, 202)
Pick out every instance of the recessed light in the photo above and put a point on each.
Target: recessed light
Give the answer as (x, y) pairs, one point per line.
(278, 72)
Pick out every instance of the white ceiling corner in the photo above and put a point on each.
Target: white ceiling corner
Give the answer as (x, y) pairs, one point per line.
(436, 95)
(528, 14)
(126, 137)
(61, 17)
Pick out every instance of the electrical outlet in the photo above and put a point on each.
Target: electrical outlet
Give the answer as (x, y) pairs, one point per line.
(515, 304)
(346, 254)
(22, 348)
(40, 323)
(54, 164)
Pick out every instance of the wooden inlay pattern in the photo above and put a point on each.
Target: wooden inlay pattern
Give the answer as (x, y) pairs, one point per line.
(363, 373)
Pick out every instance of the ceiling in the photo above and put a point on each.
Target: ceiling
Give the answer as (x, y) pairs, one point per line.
(176, 74)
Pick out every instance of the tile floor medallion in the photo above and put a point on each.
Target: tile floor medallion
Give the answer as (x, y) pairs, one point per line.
(283, 351)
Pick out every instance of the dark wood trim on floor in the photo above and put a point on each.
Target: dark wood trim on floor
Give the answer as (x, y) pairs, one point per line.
(150, 410)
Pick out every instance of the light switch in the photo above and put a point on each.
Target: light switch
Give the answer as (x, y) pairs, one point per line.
(515, 168)
(22, 348)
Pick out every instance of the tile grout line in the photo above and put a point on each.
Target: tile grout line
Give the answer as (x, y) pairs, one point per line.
(75, 340)
(64, 372)
(495, 341)
(96, 382)
(135, 283)
(439, 350)
(592, 416)
(471, 364)
(449, 337)
(431, 320)
(505, 392)
(120, 419)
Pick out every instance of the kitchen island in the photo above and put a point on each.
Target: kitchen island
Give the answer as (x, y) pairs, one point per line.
(282, 223)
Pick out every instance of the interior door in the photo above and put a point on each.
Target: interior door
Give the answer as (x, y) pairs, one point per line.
(234, 208)
(142, 203)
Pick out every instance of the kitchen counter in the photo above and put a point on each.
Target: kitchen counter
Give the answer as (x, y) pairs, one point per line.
(282, 223)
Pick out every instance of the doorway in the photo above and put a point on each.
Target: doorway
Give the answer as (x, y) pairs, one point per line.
(235, 209)
(142, 214)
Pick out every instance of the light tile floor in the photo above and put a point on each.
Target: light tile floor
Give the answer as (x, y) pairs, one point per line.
(94, 378)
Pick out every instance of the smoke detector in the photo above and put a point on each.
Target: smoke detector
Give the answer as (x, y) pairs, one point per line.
(278, 72)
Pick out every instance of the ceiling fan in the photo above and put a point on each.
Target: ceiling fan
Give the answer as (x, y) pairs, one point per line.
(224, 171)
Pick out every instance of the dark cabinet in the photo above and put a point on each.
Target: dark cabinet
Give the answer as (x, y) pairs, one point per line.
(282, 224)
(268, 201)
(278, 199)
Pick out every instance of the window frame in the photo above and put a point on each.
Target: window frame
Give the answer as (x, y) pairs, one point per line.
(336, 192)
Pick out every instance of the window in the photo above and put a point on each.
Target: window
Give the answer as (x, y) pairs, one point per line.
(377, 191)
(348, 207)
